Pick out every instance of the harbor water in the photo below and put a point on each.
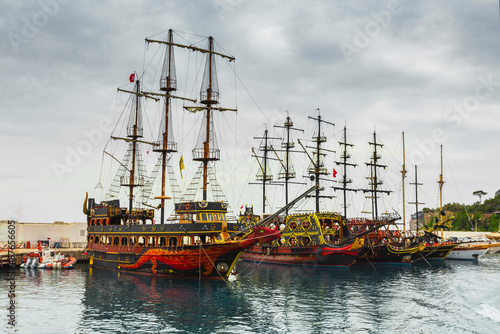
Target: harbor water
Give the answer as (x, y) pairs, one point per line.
(446, 297)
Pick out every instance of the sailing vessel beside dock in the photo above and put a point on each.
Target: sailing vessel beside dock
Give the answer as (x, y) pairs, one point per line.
(198, 240)
(311, 239)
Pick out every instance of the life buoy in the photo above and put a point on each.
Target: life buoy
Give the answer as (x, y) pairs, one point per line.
(188, 206)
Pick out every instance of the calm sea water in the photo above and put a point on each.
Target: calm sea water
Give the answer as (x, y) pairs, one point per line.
(452, 297)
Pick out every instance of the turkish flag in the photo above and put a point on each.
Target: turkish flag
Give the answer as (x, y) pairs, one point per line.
(334, 173)
(132, 77)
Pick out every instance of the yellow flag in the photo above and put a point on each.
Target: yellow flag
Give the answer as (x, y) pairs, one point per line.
(181, 165)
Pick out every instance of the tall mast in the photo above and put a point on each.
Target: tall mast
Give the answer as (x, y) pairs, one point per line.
(288, 170)
(168, 84)
(206, 149)
(263, 175)
(317, 168)
(403, 176)
(416, 197)
(374, 181)
(441, 183)
(134, 135)
(344, 162)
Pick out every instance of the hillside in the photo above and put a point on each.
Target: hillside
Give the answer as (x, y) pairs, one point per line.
(480, 217)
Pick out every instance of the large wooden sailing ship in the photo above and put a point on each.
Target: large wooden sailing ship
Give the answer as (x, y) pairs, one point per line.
(198, 240)
(387, 244)
(311, 239)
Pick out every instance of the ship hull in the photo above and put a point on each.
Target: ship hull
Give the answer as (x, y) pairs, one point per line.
(468, 253)
(437, 252)
(320, 256)
(386, 254)
(214, 259)
(208, 261)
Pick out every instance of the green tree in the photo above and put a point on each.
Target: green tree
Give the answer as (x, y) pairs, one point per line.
(479, 193)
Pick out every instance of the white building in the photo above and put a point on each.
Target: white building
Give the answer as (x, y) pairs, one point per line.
(72, 235)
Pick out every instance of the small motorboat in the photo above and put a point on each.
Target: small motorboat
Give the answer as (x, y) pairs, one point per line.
(47, 258)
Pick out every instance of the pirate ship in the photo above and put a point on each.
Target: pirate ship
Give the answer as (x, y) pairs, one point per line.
(388, 244)
(311, 239)
(198, 239)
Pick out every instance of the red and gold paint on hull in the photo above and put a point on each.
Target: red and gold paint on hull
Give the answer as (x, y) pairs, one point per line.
(215, 259)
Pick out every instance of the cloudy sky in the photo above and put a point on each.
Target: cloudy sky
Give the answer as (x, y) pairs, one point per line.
(428, 68)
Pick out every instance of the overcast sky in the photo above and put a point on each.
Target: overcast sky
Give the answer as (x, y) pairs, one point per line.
(428, 68)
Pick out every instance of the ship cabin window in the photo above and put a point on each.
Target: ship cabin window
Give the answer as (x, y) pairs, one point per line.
(162, 241)
(293, 241)
(210, 218)
(306, 224)
(186, 241)
(116, 241)
(96, 240)
(207, 239)
(204, 216)
(142, 241)
(293, 225)
(124, 241)
(151, 241)
(306, 241)
(172, 241)
(133, 241)
(197, 240)
(191, 217)
(103, 240)
(221, 217)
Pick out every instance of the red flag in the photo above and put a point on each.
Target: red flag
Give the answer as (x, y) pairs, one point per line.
(241, 207)
(132, 77)
(334, 173)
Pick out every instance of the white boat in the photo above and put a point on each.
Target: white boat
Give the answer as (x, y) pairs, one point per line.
(49, 259)
(468, 252)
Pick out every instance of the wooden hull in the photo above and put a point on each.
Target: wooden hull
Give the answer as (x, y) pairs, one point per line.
(387, 254)
(320, 256)
(437, 251)
(208, 261)
(203, 260)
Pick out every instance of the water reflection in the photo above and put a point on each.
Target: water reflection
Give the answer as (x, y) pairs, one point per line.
(446, 296)
(137, 303)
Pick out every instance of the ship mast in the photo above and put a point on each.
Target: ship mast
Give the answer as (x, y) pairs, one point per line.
(209, 97)
(134, 132)
(416, 199)
(403, 176)
(344, 162)
(263, 174)
(441, 183)
(317, 168)
(134, 135)
(288, 171)
(374, 181)
(165, 144)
